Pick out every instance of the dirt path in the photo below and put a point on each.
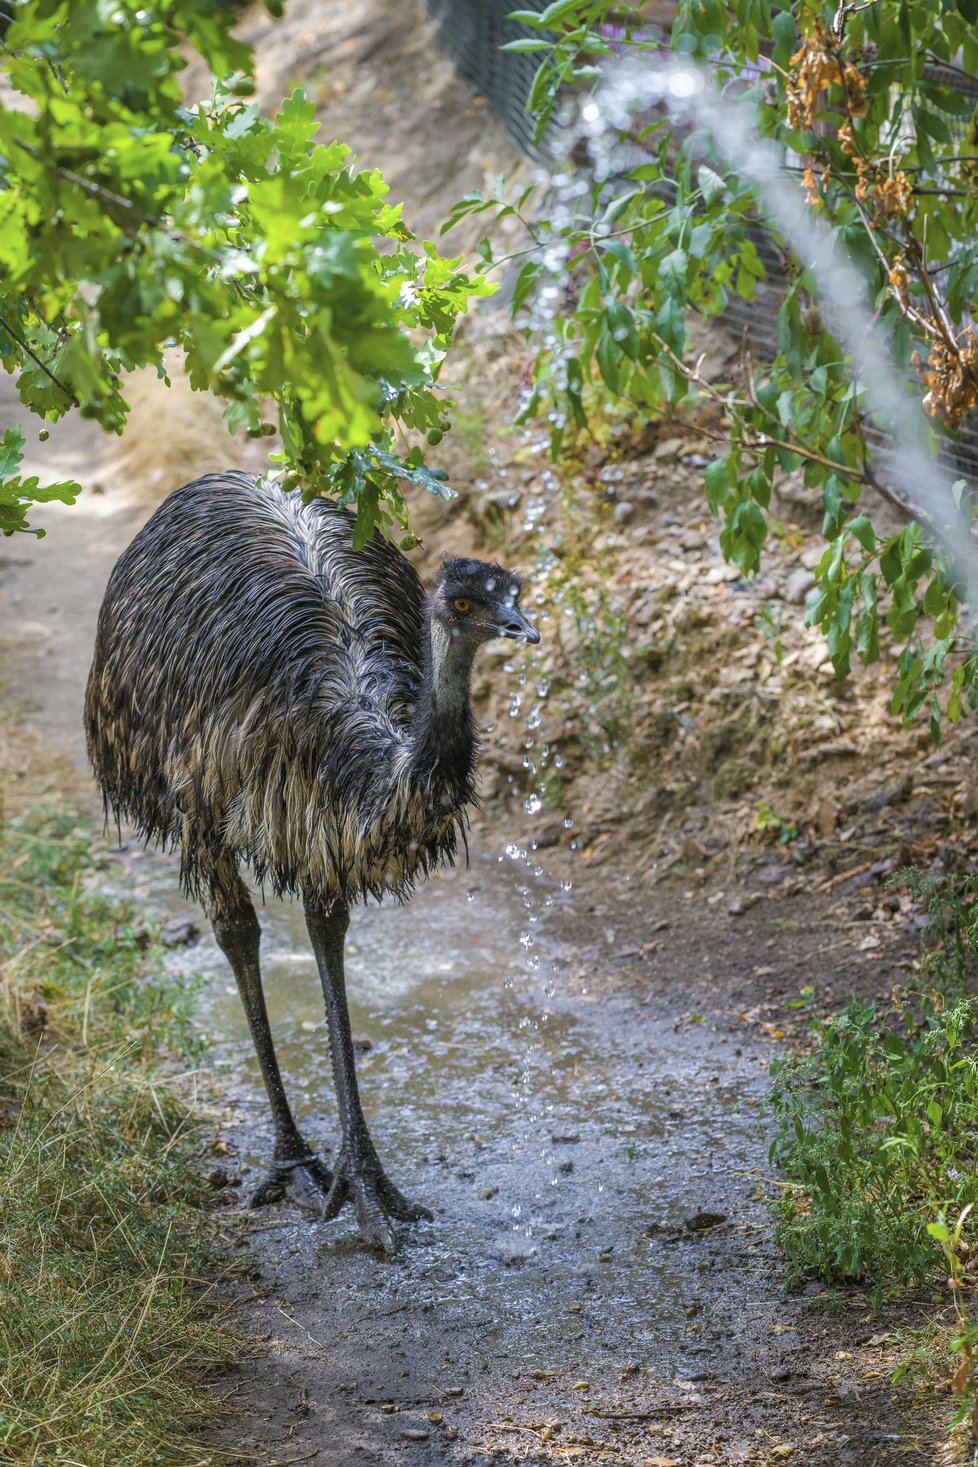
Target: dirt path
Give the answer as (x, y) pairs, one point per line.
(598, 1284)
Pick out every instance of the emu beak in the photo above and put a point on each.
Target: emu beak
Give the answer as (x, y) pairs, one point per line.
(512, 623)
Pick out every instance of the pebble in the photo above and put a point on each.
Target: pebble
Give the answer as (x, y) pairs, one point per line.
(700, 1221)
(669, 448)
(798, 585)
(624, 512)
(181, 932)
(414, 1434)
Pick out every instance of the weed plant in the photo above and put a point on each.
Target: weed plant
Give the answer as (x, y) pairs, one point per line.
(876, 1129)
(107, 1324)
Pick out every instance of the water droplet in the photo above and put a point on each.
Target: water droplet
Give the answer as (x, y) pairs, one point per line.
(533, 804)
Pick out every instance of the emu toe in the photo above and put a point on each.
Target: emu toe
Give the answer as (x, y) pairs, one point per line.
(302, 1182)
(377, 1202)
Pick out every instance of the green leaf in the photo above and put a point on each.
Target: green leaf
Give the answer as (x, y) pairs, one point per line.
(861, 529)
(710, 183)
(525, 44)
(717, 480)
(559, 10)
(529, 273)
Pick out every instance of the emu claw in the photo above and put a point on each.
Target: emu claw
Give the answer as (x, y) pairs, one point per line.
(302, 1180)
(376, 1201)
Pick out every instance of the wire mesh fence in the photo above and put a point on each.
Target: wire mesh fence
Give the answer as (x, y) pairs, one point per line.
(471, 33)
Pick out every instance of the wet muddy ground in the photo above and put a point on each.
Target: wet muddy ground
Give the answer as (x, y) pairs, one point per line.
(575, 1089)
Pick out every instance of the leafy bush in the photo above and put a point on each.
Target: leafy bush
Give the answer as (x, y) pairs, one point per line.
(877, 1129)
(133, 223)
(861, 104)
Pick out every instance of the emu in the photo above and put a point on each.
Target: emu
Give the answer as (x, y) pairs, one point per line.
(263, 695)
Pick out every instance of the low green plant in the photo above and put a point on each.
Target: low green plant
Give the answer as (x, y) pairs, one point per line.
(108, 1326)
(956, 1251)
(875, 1129)
(768, 820)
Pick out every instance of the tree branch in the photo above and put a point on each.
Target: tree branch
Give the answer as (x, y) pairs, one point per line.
(43, 365)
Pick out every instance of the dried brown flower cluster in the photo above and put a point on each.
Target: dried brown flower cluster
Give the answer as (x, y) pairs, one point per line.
(816, 68)
(950, 376)
(900, 280)
(891, 192)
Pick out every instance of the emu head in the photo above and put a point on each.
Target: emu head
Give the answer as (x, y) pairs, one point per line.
(476, 600)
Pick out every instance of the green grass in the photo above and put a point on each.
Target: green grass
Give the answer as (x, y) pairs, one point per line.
(877, 1139)
(876, 1128)
(876, 1131)
(108, 1324)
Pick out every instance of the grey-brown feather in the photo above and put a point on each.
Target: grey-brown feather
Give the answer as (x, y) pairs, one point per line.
(254, 698)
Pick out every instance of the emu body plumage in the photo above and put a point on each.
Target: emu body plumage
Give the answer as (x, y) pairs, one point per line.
(262, 695)
(254, 695)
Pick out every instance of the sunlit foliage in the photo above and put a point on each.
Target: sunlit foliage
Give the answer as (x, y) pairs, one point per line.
(864, 104)
(132, 223)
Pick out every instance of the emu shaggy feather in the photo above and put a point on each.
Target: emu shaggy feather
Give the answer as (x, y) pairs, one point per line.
(257, 696)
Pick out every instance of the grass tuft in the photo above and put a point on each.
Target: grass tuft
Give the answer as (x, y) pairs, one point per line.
(108, 1321)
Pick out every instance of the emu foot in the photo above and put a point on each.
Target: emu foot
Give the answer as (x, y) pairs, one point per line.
(302, 1180)
(377, 1202)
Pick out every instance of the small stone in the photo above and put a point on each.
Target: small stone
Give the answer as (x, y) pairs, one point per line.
(565, 1138)
(701, 1221)
(548, 835)
(826, 817)
(181, 932)
(414, 1434)
(624, 512)
(669, 448)
(771, 875)
(797, 586)
(486, 1194)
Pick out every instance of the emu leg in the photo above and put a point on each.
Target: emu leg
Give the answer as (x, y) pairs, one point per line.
(295, 1168)
(358, 1175)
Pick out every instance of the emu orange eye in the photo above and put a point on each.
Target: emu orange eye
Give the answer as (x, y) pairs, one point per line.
(462, 604)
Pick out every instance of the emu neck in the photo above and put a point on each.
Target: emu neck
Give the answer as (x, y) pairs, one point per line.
(444, 741)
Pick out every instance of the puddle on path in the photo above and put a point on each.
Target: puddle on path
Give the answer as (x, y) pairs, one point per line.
(564, 1141)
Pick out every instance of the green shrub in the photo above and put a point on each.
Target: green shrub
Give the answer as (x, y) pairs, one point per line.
(876, 1129)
